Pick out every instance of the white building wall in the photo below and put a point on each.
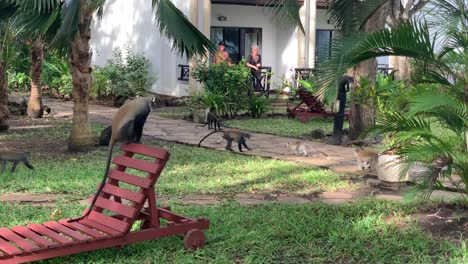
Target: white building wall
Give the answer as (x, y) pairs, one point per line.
(131, 23)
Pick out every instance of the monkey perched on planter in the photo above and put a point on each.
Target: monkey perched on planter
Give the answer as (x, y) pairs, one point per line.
(127, 127)
(366, 159)
(231, 135)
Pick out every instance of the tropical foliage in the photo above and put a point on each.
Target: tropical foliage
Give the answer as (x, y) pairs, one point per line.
(440, 104)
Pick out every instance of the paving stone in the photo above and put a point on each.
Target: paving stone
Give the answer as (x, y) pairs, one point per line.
(30, 198)
(200, 200)
(336, 195)
(445, 196)
(292, 199)
(391, 197)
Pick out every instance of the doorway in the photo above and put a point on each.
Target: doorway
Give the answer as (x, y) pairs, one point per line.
(238, 41)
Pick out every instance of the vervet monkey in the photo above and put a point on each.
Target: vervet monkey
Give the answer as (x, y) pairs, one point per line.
(366, 159)
(212, 121)
(15, 157)
(127, 127)
(231, 135)
(299, 148)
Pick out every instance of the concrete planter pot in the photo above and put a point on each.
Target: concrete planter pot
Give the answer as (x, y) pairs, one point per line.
(389, 170)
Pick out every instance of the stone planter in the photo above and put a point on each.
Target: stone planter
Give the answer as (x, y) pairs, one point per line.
(389, 170)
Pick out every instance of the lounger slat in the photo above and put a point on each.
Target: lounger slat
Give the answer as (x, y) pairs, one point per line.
(141, 165)
(130, 179)
(66, 231)
(108, 221)
(8, 248)
(49, 233)
(38, 239)
(123, 193)
(116, 207)
(100, 227)
(82, 228)
(18, 240)
(146, 150)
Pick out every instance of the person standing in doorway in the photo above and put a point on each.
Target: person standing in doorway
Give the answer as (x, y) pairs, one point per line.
(254, 62)
(221, 55)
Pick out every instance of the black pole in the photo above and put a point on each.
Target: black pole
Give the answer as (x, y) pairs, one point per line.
(339, 116)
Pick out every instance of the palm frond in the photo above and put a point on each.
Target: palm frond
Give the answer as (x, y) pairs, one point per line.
(285, 11)
(351, 15)
(69, 15)
(185, 37)
(37, 6)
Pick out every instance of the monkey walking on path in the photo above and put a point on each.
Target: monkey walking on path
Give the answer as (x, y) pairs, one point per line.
(300, 148)
(231, 135)
(15, 157)
(212, 121)
(127, 127)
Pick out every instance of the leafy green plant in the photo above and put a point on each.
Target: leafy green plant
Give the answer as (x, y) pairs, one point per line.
(258, 106)
(123, 77)
(227, 87)
(56, 74)
(310, 84)
(18, 81)
(378, 94)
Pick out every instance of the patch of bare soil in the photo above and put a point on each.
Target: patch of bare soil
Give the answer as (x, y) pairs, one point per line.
(39, 143)
(446, 222)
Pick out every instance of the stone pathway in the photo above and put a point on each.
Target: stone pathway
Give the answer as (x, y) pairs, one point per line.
(340, 159)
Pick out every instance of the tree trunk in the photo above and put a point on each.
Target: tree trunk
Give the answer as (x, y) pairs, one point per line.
(402, 68)
(81, 137)
(361, 118)
(4, 113)
(35, 100)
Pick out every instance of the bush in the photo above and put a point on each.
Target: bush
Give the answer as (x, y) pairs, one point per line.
(56, 74)
(227, 88)
(258, 106)
(121, 78)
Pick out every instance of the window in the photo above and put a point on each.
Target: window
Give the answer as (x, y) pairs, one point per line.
(323, 40)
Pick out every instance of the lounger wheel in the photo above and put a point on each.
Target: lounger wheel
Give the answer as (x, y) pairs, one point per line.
(194, 239)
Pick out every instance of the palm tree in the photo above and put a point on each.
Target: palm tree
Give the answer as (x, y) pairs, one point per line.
(7, 50)
(445, 104)
(74, 34)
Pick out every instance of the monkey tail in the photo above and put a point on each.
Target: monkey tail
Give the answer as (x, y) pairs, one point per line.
(199, 143)
(325, 154)
(103, 182)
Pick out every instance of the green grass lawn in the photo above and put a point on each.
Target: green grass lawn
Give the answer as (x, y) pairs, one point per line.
(283, 126)
(190, 170)
(274, 233)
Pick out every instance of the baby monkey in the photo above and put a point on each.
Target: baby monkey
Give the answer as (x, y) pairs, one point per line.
(15, 157)
(299, 148)
(366, 159)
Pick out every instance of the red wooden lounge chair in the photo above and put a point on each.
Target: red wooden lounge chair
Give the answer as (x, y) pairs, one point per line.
(309, 107)
(110, 221)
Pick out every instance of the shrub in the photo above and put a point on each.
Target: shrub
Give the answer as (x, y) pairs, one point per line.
(227, 88)
(123, 78)
(56, 74)
(258, 106)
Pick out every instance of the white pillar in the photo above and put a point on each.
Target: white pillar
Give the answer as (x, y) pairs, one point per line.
(310, 28)
(193, 85)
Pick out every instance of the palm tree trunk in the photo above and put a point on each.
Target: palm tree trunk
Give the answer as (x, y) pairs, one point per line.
(403, 68)
(35, 100)
(4, 113)
(361, 117)
(81, 137)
